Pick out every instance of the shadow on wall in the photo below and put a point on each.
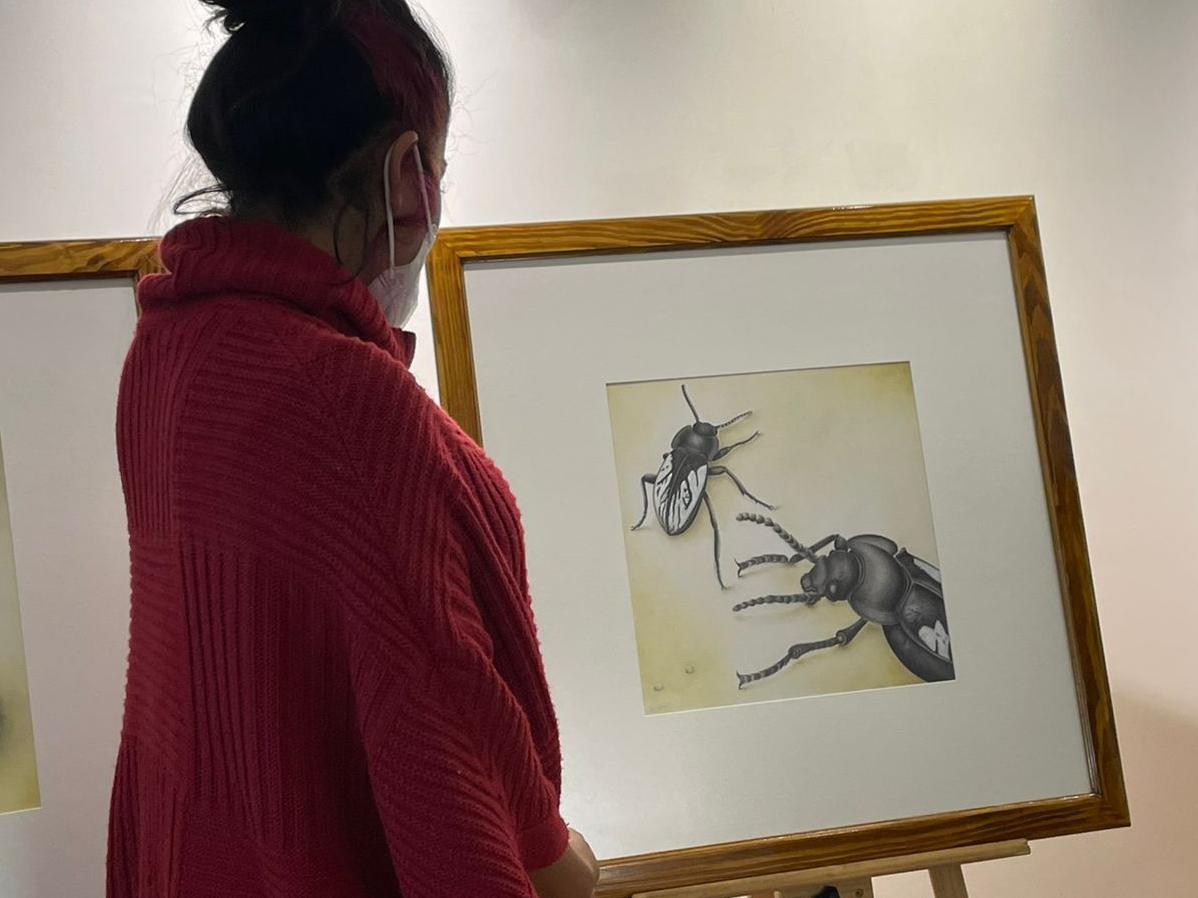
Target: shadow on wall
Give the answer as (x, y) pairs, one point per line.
(1157, 856)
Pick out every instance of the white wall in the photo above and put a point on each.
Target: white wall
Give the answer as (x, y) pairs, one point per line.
(573, 109)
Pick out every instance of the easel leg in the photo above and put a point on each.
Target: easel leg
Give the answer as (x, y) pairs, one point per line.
(862, 888)
(948, 882)
(854, 880)
(854, 888)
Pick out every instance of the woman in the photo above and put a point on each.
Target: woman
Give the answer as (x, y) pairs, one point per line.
(334, 684)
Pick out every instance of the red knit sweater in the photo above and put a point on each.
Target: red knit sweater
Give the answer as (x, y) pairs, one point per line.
(334, 684)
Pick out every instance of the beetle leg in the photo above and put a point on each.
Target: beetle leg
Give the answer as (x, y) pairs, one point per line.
(720, 469)
(742, 566)
(715, 528)
(645, 482)
(723, 452)
(842, 638)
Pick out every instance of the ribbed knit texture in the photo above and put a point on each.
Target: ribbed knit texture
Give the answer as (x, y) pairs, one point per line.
(334, 683)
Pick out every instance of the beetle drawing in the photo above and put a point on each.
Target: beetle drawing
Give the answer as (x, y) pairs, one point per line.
(680, 484)
(883, 584)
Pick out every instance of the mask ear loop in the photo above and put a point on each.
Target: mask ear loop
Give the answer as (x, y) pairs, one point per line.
(428, 212)
(387, 211)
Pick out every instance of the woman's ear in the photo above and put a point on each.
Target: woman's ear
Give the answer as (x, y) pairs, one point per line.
(404, 200)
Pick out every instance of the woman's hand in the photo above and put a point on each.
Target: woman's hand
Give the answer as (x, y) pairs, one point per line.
(574, 875)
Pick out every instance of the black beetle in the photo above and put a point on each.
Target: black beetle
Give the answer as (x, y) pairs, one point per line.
(884, 584)
(680, 484)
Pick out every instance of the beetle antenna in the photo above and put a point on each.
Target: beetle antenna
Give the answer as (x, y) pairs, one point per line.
(735, 420)
(778, 529)
(687, 397)
(802, 598)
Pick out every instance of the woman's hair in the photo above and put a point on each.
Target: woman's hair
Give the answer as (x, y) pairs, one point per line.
(301, 86)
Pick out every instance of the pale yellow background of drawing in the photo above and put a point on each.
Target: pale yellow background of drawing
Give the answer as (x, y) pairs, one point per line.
(18, 768)
(840, 452)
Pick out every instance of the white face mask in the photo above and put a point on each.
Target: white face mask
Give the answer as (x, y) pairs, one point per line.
(398, 288)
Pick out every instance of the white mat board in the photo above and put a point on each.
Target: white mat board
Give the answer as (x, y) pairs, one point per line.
(62, 345)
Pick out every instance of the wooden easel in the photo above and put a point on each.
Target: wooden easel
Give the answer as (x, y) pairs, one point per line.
(855, 880)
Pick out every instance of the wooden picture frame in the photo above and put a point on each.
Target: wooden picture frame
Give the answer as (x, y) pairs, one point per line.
(68, 309)
(50, 260)
(1105, 805)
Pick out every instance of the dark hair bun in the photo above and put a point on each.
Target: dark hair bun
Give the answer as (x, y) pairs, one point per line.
(279, 16)
(294, 93)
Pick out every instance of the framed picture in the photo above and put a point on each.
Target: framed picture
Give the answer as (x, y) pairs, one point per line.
(804, 535)
(18, 762)
(67, 313)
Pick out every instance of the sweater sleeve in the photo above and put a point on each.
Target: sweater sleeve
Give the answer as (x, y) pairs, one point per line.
(459, 785)
(459, 778)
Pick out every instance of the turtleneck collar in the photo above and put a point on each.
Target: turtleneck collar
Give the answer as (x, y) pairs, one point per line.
(219, 255)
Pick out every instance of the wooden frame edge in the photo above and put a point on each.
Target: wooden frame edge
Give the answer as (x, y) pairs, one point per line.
(623, 877)
(65, 259)
(1065, 512)
(1106, 807)
(456, 247)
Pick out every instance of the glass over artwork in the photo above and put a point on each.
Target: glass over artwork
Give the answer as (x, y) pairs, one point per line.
(779, 536)
(18, 770)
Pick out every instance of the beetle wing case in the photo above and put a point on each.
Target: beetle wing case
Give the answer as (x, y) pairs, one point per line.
(678, 491)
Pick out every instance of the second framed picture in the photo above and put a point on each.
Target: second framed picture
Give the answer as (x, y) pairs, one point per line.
(803, 529)
(841, 445)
